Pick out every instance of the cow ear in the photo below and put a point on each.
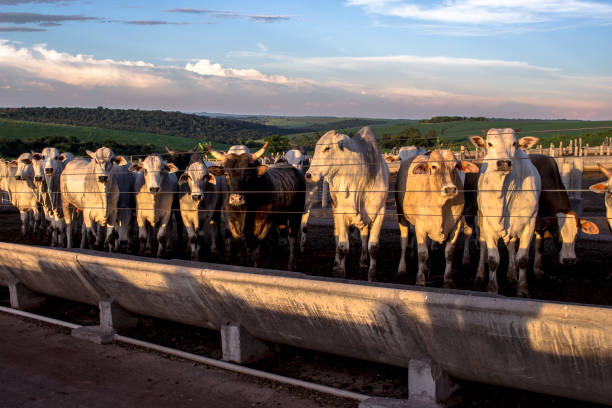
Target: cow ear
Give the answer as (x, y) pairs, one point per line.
(599, 188)
(62, 157)
(211, 179)
(120, 160)
(171, 168)
(216, 170)
(183, 179)
(477, 141)
(422, 168)
(261, 169)
(605, 171)
(468, 167)
(90, 154)
(14, 163)
(135, 167)
(37, 156)
(588, 227)
(27, 161)
(528, 142)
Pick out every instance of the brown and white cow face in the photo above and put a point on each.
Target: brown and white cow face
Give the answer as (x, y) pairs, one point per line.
(502, 146)
(24, 171)
(442, 166)
(569, 226)
(605, 187)
(197, 177)
(103, 161)
(329, 155)
(153, 168)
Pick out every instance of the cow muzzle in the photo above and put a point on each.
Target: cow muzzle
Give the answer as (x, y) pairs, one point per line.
(196, 197)
(568, 261)
(236, 199)
(49, 170)
(102, 179)
(18, 178)
(154, 189)
(38, 178)
(504, 165)
(449, 191)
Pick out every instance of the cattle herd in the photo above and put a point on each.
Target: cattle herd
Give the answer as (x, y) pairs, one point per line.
(243, 203)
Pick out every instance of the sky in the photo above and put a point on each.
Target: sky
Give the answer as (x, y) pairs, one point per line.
(546, 59)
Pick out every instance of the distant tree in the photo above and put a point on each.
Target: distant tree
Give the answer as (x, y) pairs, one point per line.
(277, 143)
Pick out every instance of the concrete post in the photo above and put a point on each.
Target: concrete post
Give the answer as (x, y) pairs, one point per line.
(112, 317)
(427, 382)
(240, 347)
(23, 298)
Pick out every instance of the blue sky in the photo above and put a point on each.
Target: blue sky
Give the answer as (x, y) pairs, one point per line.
(376, 58)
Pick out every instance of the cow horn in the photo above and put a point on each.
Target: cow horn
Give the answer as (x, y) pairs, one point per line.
(217, 155)
(170, 152)
(605, 171)
(260, 152)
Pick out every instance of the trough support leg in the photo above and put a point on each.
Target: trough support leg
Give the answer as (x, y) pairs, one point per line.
(23, 298)
(240, 347)
(427, 382)
(112, 317)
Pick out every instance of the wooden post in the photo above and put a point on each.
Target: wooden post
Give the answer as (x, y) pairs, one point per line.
(561, 148)
(552, 150)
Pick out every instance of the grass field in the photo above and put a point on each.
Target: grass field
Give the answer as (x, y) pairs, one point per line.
(27, 131)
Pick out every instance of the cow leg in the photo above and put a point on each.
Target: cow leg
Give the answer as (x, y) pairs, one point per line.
(143, 235)
(449, 252)
(54, 232)
(511, 273)
(404, 227)
(100, 233)
(24, 221)
(363, 258)
(480, 272)
(68, 218)
(423, 256)
(83, 236)
(342, 246)
(468, 231)
(193, 241)
(293, 234)
(212, 233)
(162, 237)
(522, 258)
(537, 264)
(493, 260)
(374, 243)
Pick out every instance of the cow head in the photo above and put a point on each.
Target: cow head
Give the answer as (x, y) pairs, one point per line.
(182, 159)
(569, 226)
(103, 161)
(241, 171)
(197, 177)
(295, 157)
(442, 167)
(327, 156)
(603, 186)
(38, 164)
(501, 146)
(24, 171)
(153, 168)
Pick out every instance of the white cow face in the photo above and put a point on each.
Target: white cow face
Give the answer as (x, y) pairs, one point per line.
(442, 167)
(38, 165)
(25, 171)
(502, 146)
(197, 177)
(153, 168)
(53, 160)
(603, 187)
(103, 161)
(328, 156)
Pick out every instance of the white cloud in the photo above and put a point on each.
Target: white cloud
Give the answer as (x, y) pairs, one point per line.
(375, 86)
(490, 12)
(262, 47)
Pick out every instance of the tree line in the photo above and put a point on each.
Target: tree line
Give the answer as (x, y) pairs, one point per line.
(442, 119)
(230, 131)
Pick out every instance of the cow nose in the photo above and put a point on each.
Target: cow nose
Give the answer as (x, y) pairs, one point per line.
(38, 178)
(154, 189)
(569, 261)
(49, 170)
(504, 165)
(449, 190)
(196, 197)
(236, 199)
(18, 178)
(308, 176)
(102, 179)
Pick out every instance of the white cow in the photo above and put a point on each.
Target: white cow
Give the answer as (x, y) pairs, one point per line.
(90, 186)
(358, 178)
(410, 152)
(508, 192)
(201, 200)
(48, 166)
(429, 196)
(155, 186)
(23, 192)
(605, 187)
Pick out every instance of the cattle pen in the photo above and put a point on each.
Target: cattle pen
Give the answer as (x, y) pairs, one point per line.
(547, 345)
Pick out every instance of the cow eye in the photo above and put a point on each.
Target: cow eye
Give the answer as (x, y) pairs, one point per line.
(326, 149)
(490, 144)
(514, 144)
